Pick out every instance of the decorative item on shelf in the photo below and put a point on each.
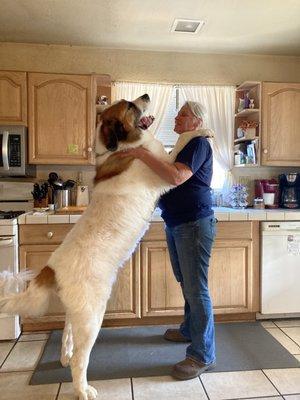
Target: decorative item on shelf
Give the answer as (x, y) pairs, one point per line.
(103, 100)
(251, 105)
(237, 196)
(246, 100)
(241, 105)
(247, 129)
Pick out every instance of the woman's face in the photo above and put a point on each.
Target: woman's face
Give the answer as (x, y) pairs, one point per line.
(186, 121)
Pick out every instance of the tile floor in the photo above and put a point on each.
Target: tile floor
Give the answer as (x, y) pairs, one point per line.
(18, 360)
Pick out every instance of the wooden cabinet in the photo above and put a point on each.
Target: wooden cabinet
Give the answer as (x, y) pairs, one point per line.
(125, 301)
(13, 98)
(233, 272)
(60, 119)
(281, 119)
(36, 247)
(146, 289)
(161, 292)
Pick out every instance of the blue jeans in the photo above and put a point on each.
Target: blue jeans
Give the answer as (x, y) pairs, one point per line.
(190, 247)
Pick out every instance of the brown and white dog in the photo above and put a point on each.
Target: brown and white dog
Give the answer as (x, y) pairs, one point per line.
(84, 267)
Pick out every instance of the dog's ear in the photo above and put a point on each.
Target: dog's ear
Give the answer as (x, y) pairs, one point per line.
(112, 131)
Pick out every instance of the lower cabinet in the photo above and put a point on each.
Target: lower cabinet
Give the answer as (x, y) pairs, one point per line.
(233, 273)
(145, 286)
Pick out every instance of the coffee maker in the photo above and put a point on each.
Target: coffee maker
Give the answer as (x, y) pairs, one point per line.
(289, 185)
(268, 190)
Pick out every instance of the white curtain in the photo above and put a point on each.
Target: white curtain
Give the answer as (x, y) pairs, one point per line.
(219, 104)
(159, 94)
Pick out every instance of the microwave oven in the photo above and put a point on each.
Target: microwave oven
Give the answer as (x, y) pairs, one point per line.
(13, 152)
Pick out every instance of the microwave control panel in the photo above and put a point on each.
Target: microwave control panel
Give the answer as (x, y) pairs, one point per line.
(14, 150)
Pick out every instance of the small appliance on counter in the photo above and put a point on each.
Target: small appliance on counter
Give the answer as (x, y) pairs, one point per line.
(268, 190)
(289, 185)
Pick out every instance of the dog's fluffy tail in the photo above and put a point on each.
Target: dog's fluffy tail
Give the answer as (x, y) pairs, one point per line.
(34, 300)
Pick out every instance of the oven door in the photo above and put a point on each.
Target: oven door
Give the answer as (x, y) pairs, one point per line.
(8, 254)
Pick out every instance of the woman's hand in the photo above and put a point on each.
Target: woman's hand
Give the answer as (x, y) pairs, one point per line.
(137, 152)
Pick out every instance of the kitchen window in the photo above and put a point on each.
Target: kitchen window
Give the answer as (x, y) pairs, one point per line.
(168, 137)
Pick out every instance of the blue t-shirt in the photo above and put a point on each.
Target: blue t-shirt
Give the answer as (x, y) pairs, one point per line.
(191, 200)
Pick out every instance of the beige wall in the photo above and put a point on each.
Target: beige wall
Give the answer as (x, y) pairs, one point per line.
(149, 66)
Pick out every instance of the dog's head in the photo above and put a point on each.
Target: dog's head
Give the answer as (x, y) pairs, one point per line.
(119, 122)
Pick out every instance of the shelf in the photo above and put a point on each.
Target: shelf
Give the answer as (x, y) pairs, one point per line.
(247, 111)
(248, 85)
(244, 140)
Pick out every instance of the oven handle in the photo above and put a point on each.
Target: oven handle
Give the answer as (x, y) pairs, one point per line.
(5, 241)
(5, 150)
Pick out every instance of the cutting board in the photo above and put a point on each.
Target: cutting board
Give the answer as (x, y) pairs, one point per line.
(71, 210)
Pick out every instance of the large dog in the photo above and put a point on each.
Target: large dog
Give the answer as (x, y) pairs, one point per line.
(83, 269)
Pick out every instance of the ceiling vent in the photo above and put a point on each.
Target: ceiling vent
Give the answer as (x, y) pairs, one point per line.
(187, 25)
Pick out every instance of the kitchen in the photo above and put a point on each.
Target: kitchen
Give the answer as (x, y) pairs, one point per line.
(146, 291)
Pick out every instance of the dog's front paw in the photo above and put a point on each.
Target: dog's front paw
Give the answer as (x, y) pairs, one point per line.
(90, 393)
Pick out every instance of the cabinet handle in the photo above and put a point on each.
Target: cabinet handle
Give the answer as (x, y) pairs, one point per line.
(49, 235)
(265, 151)
(89, 149)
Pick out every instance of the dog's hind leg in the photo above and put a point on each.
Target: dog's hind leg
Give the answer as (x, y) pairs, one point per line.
(85, 328)
(67, 343)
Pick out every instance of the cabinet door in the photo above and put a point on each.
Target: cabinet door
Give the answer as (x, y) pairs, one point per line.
(230, 276)
(35, 257)
(60, 126)
(161, 292)
(281, 120)
(13, 98)
(124, 301)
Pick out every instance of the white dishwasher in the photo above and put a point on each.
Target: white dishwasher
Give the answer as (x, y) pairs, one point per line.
(280, 268)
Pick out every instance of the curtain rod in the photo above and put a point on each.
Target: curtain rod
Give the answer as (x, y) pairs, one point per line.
(175, 84)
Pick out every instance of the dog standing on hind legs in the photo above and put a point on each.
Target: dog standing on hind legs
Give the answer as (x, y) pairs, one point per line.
(83, 268)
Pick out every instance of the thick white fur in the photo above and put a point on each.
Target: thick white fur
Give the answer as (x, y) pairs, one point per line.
(87, 262)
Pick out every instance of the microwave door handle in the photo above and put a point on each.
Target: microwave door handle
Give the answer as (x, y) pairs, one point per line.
(5, 150)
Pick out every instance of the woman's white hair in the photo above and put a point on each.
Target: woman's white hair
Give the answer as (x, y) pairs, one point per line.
(197, 109)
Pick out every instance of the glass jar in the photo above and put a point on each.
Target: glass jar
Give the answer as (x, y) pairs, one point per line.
(258, 203)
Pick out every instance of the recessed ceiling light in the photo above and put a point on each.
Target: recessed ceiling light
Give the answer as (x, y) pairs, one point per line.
(187, 25)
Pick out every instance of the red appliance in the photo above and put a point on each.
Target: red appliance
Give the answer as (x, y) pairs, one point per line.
(265, 187)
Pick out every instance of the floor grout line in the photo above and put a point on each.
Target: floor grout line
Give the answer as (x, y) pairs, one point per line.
(270, 381)
(16, 341)
(59, 387)
(16, 371)
(289, 338)
(132, 392)
(204, 388)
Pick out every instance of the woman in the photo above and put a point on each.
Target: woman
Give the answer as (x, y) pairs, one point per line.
(190, 230)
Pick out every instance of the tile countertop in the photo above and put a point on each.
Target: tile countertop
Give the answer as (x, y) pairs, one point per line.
(221, 213)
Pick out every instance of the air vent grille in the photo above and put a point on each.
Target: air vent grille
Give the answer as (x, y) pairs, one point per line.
(187, 26)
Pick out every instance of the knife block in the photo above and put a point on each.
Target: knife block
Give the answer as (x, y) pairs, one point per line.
(43, 203)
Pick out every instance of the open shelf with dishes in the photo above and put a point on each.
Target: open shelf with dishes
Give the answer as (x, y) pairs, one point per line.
(247, 124)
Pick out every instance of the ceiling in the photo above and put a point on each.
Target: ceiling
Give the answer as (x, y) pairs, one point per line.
(231, 26)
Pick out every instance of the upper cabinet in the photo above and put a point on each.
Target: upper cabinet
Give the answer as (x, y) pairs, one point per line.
(13, 98)
(62, 117)
(281, 121)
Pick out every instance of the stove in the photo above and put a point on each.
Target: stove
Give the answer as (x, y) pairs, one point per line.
(10, 214)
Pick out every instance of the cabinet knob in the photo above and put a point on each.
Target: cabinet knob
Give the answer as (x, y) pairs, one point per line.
(49, 235)
(265, 151)
(89, 149)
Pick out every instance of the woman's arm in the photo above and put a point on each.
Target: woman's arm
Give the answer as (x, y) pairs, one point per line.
(175, 174)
